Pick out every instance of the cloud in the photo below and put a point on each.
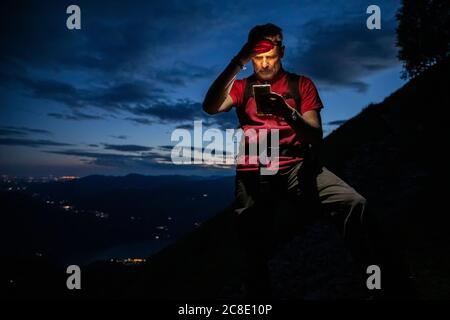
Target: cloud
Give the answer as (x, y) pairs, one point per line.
(342, 55)
(11, 132)
(126, 147)
(120, 137)
(104, 159)
(169, 148)
(166, 147)
(222, 121)
(122, 38)
(137, 98)
(145, 160)
(30, 142)
(179, 111)
(144, 121)
(182, 73)
(21, 131)
(76, 116)
(122, 51)
(186, 126)
(183, 113)
(112, 98)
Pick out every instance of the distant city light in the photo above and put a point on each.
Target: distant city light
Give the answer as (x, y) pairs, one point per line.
(67, 178)
(130, 261)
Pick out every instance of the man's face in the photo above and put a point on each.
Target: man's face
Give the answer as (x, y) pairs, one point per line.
(266, 65)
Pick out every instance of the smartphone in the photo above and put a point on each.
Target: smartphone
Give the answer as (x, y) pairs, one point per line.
(260, 92)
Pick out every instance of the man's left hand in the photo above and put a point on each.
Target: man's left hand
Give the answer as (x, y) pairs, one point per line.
(279, 106)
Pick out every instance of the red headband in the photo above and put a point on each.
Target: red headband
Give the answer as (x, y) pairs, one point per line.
(263, 46)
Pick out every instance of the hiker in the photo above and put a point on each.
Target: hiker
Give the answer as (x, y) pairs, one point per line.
(294, 110)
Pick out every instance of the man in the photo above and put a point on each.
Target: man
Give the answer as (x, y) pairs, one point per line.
(299, 179)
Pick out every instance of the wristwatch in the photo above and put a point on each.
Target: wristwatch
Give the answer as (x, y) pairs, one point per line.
(236, 61)
(294, 115)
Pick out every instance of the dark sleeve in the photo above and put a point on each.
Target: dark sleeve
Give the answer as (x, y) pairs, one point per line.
(309, 95)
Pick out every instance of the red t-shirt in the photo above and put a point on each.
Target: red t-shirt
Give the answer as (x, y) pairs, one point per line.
(248, 118)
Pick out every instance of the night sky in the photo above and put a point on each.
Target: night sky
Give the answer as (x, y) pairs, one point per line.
(105, 99)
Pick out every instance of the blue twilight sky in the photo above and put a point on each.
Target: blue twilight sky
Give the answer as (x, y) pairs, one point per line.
(105, 99)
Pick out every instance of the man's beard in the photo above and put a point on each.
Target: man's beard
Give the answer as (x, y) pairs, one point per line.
(267, 74)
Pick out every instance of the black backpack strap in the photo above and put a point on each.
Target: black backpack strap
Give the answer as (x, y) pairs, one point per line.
(248, 91)
(309, 152)
(294, 88)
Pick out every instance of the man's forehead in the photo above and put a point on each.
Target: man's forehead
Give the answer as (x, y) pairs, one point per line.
(272, 52)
